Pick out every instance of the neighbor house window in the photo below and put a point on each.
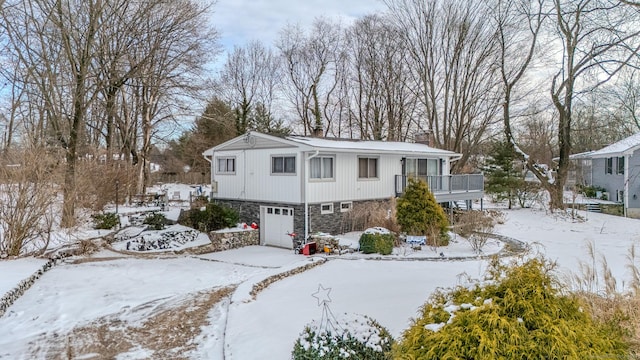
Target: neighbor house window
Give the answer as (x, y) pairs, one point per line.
(226, 165)
(346, 206)
(608, 166)
(283, 164)
(620, 167)
(367, 168)
(326, 209)
(321, 167)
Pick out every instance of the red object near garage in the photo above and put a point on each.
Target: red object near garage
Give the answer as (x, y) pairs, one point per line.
(309, 248)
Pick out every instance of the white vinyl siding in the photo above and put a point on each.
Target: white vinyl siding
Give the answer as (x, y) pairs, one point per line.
(252, 181)
(321, 168)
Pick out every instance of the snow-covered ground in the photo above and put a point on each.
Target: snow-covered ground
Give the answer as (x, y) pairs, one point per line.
(390, 290)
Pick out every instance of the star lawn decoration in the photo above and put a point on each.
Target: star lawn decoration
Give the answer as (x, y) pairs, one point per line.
(322, 295)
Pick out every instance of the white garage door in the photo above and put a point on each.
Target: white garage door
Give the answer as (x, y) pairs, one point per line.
(277, 222)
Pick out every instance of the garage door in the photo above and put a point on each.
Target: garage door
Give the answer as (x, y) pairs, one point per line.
(277, 222)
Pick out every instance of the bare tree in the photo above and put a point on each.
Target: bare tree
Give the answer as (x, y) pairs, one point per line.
(76, 56)
(310, 66)
(598, 39)
(27, 201)
(383, 103)
(452, 51)
(250, 78)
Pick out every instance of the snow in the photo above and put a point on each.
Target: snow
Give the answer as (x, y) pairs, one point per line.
(265, 326)
(12, 271)
(618, 148)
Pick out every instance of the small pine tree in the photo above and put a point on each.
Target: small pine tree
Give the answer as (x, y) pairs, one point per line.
(518, 313)
(418, 213)
(503, 178)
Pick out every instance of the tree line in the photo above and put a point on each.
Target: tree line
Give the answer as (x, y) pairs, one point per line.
(108, 80)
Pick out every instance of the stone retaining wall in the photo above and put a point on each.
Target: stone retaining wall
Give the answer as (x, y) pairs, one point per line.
(227, 240)
(12, 295)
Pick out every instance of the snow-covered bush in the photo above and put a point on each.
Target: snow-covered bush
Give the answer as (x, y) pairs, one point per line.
(518, 313)
(353, 337)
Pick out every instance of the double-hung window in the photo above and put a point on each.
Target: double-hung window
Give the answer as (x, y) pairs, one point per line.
(226, 165)
(620, 167)
(367, 168)
(321, 167)
(283, 165)
(608, 166)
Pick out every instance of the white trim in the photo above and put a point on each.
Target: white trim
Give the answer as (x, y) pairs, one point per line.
(348, 207)
(329, 209)
(227, 158)
(283, 173)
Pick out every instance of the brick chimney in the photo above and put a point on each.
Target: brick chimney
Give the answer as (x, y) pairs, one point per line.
(317, 132)
(424, 137)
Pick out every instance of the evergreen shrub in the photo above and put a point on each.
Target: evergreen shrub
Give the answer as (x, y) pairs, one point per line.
(371, 243)
(418, 213)
(518, 313)
(156, 221)
(355, 337)
(105, 221)
(213, 217)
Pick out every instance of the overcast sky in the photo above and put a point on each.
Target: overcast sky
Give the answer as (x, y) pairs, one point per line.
(240, 21)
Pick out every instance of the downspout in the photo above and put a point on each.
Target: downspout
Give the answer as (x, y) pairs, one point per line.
(210, 161)
(626, 185)
(306, 200)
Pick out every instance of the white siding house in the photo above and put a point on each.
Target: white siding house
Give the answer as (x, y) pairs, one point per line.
(303, 184)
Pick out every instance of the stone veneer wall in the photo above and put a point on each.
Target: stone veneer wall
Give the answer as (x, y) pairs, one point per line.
(227, 240)
(249, 211)
(333, 223)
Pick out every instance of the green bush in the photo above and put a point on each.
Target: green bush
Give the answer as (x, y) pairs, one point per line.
(213, 217)
(518, 313)
(358, 337)
(371, 243)
(156, 221)
(418, 213)
(105, 221)
(591, 191)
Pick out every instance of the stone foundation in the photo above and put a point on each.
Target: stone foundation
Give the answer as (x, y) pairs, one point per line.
(335, 223)
(227, 240)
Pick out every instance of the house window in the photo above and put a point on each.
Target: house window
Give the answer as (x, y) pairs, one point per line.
(326, 209)
(346, 206)
(620, 167)
(226, 165)
(321, 167)
(608, 166)
(283, 164)
(367, 168)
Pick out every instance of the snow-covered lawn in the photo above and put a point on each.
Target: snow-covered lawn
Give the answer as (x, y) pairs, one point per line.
(132, 289)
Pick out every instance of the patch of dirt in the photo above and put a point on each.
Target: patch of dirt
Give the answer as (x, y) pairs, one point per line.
(167, 334)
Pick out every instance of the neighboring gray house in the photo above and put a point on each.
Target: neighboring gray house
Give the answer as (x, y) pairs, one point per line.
(308, 184)
(616, 168)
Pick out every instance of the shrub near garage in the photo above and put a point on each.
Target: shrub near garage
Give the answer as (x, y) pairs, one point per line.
(517, 314)
(213, 217)
(376, 243)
